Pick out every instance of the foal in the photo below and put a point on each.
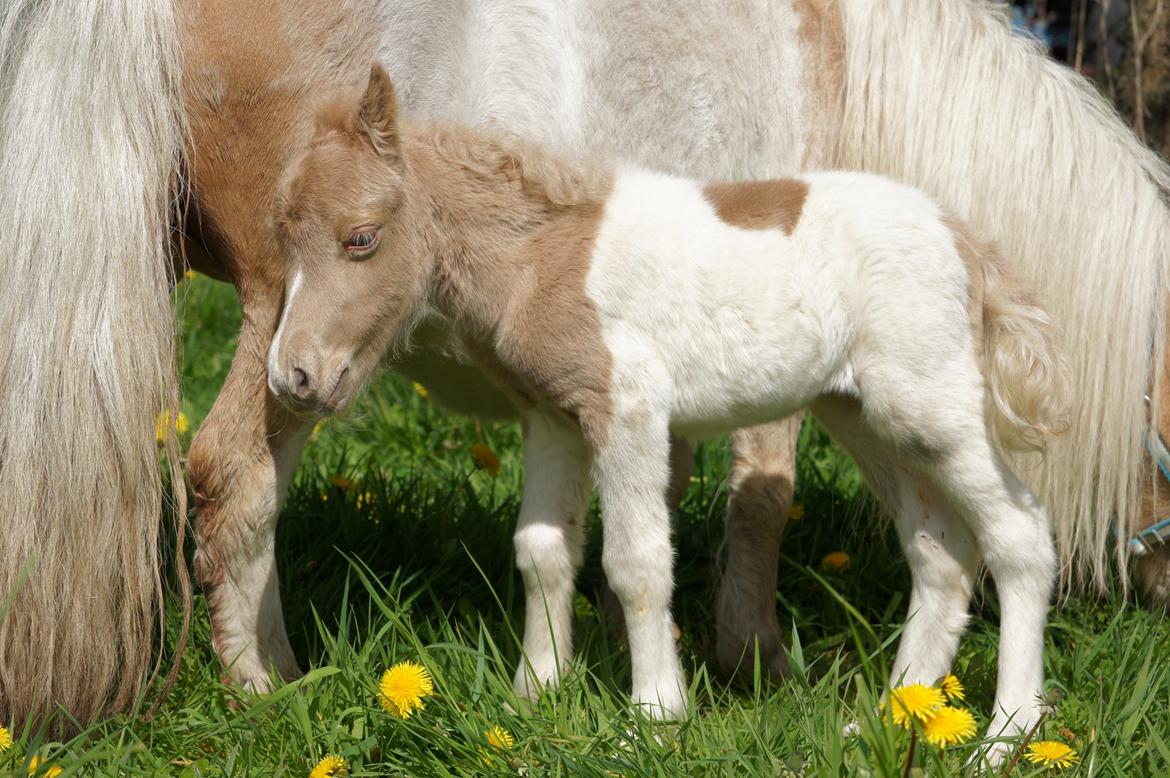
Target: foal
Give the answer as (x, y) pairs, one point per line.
(618, 307)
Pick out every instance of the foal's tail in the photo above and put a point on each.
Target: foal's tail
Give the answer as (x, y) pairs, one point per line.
(1027, 374)
(90, 146)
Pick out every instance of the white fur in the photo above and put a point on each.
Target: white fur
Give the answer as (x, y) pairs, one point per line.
(550, 540)
(863, 315)
(274, 372)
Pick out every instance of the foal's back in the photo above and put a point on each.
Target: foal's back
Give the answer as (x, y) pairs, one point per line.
(747, 300)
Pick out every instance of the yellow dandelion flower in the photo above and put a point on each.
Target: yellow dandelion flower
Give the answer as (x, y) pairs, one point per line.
(948, 726)
(342, 483)
(420, 390)
(913, 702)
(952, 687)
(190, 275)
(332, 766)
(485, 458)
(403, 687)
(37, 767)
(498, 737)
(5, 738)
(796, 511)
(164, 423)
(1051, 753)
(838, 561)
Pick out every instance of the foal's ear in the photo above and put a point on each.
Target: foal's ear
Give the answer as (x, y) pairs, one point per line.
(378, 113)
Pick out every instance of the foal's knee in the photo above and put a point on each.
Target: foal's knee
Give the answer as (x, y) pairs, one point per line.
(640, 576)
(545, 555)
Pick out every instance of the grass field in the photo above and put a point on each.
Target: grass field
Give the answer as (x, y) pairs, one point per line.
(394, 545)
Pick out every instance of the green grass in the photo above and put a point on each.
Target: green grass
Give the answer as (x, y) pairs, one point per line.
(422, 570)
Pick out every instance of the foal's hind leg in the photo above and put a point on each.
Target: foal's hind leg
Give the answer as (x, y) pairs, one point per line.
(762, 477)
(1014, 536)
(941, 552)
(944, 562)
(240, 464)
(940, 422)
(549, 540)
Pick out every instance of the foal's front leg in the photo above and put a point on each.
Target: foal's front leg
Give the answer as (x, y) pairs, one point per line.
(632, 471)
(550, 536)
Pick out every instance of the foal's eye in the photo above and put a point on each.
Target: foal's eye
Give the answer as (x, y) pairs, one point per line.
(362, 242)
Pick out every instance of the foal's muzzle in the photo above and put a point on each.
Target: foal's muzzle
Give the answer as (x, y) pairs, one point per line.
(307, 384)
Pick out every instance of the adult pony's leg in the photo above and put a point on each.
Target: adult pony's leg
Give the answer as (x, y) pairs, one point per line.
(1152, 569)
(550, 540)
(241, 463)
(762, 478)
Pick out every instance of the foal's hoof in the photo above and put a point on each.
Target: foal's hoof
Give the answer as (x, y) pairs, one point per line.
(671, 706)
(533, 678)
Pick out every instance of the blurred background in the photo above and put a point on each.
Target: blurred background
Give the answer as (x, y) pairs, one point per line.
(1123, 45)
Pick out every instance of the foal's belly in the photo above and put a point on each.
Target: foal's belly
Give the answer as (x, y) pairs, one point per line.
(739, 382)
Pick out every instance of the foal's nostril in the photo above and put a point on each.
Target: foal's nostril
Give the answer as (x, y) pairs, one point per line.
(303, 387)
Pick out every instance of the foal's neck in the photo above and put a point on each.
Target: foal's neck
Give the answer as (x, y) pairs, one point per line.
(499, 217)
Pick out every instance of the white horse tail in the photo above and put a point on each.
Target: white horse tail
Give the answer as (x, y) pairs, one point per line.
(90, 146)
(940, 94)
(1023, 363)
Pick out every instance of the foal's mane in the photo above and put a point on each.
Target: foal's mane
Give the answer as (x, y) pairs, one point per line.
(485, 152)
(539, 172)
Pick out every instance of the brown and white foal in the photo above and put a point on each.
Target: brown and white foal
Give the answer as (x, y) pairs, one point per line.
(618, 307)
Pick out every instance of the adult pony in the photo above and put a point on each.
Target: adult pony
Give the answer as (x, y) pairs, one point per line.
(118, 112)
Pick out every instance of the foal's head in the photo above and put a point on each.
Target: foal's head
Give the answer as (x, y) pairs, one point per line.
(355, 263)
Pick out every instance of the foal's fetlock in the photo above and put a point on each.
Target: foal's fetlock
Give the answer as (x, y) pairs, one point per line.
(534, 677)
(667, 702)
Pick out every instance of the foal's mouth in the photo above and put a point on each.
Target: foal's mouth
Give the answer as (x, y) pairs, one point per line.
(331, 402)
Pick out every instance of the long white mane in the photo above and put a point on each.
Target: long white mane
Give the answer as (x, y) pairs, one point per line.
(940, 94)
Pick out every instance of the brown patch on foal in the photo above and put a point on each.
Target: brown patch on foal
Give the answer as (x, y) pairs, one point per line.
(759, 205)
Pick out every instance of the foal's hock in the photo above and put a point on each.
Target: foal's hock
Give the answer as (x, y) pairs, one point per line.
(616, 308)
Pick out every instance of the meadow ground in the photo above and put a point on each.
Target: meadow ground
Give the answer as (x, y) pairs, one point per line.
(395, 545)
